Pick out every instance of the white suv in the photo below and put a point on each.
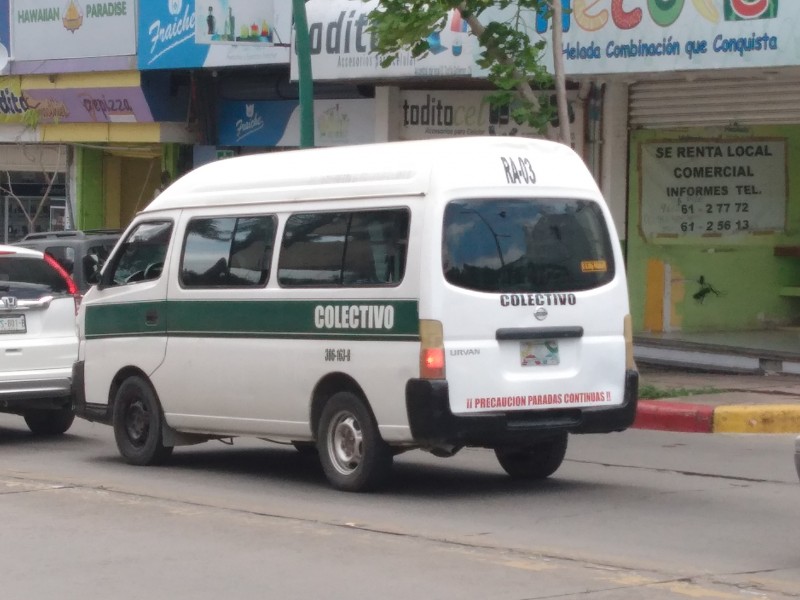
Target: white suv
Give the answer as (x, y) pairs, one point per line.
(38, 339)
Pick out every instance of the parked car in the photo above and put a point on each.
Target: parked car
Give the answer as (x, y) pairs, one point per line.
(81, 253)
(38, 339)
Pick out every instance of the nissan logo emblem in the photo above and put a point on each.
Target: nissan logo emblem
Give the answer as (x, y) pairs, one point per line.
(540, 313)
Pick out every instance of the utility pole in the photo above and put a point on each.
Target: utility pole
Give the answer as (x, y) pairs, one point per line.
(560, 80)
(306, 80)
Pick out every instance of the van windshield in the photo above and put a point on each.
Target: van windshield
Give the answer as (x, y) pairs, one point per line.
(526, 245)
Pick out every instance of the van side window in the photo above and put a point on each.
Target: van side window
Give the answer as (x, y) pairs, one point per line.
(354, 249)
(227, 252)
(141, 255)
(535, 245)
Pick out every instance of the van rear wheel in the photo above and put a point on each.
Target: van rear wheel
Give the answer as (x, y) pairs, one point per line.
(354, 457)
(138, 424)
(535, 461)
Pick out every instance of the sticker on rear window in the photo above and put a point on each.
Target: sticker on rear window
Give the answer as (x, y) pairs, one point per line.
(593, 266)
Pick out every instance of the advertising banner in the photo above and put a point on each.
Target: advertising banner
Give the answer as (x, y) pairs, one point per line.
(428, 114)
(448, 113)
(5, 35)
(600, 37)
(612, 36)
(90, 105)
(277, 123)
(57, 29)
(13, 103)
(713, 188)
(341, 48)
(74, 105)
(181, 34)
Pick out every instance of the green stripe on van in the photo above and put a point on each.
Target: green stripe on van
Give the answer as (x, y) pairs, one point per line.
(311, 319)
(129, 319)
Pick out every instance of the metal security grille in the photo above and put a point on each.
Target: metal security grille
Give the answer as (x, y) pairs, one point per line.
(714, 102)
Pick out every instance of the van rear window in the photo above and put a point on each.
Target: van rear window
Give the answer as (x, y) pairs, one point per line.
(526, 245)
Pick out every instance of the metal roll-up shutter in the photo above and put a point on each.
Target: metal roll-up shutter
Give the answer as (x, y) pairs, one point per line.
(710, 102)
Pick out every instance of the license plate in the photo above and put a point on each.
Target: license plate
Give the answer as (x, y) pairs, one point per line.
(13, 324)
(539, 353)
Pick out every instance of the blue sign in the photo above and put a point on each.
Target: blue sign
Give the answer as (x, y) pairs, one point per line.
(5, 35)
(166, 36)
(181, 34)
(276, 123)
(254, 123)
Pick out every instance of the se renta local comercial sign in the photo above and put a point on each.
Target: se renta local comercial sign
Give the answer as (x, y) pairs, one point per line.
(713, 188)
(622, 36)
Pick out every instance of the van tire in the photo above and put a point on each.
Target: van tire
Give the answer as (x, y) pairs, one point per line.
(138, 424)
(536, 461)
(49, 421)
(354, 457)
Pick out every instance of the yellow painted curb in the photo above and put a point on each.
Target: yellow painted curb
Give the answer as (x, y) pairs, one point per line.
(752, 418)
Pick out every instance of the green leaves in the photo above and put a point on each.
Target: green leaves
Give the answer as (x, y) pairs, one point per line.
(512, 52)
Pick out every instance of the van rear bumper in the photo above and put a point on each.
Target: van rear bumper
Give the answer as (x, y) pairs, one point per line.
(433, 424)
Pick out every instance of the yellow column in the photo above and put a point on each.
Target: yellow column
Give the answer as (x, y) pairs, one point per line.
(654, 296)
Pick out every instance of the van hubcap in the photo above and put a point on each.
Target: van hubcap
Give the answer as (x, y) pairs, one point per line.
(346, 443)
(137, 422)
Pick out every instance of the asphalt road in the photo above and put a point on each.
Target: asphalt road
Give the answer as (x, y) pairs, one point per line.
(643, 514)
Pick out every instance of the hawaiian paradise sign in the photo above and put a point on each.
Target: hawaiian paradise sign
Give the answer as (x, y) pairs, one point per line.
(57, 29)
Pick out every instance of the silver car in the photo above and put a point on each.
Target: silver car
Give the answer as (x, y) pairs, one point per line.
(38, 339)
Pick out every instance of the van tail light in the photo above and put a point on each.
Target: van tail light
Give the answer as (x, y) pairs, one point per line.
(72, 288)
(630, 363)
(431, 353)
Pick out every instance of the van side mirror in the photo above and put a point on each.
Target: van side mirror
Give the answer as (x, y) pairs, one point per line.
(91, 269)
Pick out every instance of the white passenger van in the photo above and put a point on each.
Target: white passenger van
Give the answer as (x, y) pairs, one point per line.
(367, 300)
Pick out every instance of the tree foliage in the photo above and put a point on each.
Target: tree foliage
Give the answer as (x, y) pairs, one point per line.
(511, 52)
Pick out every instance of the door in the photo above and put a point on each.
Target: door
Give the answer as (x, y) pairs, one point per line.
(533, 305)
(125, 315)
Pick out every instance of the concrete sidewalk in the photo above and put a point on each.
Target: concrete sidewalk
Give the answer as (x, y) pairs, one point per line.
(728, 403)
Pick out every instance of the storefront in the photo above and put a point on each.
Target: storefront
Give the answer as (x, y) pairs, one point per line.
(710, 97)
(95, 135)
(33, 194)
(116, 130)
(713, 204)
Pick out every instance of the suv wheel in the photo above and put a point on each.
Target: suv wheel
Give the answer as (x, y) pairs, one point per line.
(43, 421)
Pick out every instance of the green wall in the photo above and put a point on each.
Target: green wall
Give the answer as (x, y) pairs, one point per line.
(742, 270)
(91, 205)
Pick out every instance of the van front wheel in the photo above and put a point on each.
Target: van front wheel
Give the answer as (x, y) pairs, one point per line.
(138, 424)
(536, 461)
(354, 457)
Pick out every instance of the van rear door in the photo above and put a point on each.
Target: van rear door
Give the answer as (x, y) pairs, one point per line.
(533, 306)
